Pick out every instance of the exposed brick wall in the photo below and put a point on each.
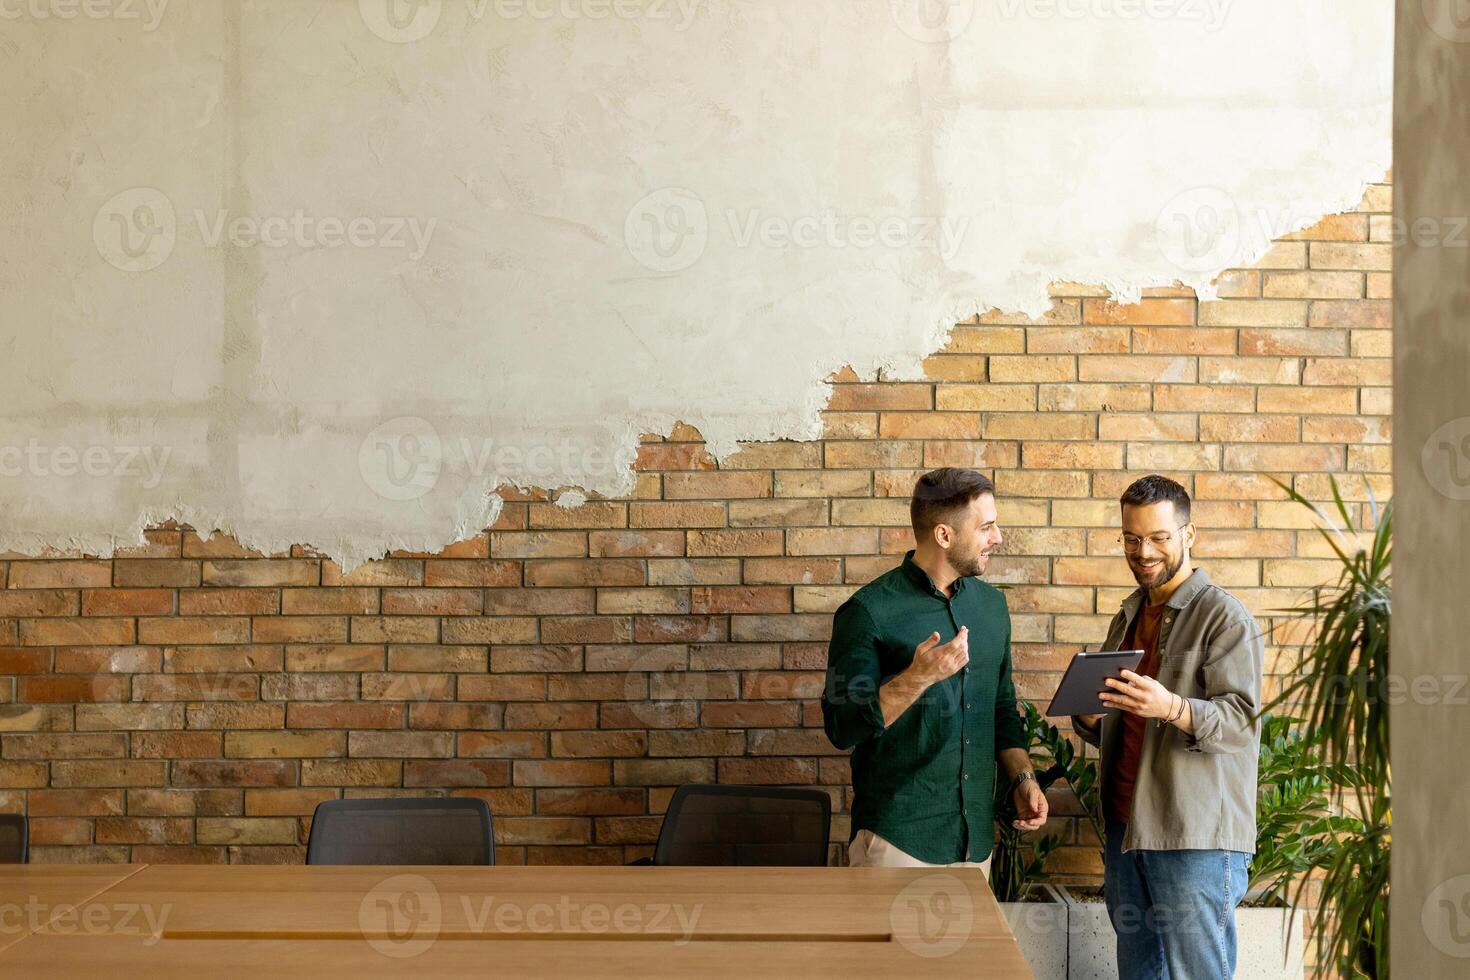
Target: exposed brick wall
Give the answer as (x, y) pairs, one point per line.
(192, 701)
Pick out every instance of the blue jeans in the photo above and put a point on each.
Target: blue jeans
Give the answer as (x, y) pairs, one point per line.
(1173, 911)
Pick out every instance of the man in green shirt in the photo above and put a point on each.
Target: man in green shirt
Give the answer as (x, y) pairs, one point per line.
(919, 687)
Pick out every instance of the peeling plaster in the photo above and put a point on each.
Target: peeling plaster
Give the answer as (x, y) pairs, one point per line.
(339, 275)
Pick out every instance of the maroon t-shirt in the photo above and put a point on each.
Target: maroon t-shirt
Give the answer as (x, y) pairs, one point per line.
(1145, 637)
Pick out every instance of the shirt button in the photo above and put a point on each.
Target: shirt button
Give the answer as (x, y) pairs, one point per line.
(966, 775)
(964, 812)
(964, 670)
(968, 705)
(967, 741)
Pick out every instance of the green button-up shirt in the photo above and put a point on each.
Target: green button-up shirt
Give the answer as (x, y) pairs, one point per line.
(924, 783)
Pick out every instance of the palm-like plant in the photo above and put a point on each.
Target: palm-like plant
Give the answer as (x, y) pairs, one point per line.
(1342, 682)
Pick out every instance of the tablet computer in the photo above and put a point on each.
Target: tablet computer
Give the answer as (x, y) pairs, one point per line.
(1077, 694)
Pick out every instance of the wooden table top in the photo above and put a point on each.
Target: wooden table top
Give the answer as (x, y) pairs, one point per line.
(31, 894)
(177, 920)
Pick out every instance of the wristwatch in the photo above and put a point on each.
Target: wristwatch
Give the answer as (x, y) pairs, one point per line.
(1021, 778)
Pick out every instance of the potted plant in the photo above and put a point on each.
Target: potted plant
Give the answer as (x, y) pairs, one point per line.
(1343, 682)
(1035, 911)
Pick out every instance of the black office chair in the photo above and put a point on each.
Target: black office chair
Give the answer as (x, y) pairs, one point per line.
(441, 830)
(14, 839)
(746, 826)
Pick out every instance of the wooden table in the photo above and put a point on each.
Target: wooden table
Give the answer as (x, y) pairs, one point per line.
(181, 920)
(32, 894)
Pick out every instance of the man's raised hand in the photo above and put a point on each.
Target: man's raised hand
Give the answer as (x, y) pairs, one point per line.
(935, 661)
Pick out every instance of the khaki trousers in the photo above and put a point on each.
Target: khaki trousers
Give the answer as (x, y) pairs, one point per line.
(868, 850)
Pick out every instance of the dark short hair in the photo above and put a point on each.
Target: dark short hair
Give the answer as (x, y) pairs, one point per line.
(1155, 489)
(941, 494)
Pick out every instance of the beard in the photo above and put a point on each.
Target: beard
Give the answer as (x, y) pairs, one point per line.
(1151, 578)
(972, 564)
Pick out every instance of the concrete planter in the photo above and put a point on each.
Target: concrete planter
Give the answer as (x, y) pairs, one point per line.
(1264, 938)
(1040, 926)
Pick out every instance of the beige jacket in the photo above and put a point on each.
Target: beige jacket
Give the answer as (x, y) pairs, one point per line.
(1195, 791)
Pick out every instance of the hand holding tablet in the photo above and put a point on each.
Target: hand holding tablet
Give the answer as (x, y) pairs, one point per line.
(1085, 679)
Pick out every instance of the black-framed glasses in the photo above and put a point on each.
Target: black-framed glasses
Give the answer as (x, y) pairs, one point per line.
(1133, 544)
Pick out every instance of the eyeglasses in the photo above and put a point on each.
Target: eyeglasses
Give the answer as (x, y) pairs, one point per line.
(1132, 543)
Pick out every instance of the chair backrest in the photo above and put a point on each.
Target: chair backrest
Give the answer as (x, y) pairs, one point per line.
(14, 839)
(447, 830)
(751, 826)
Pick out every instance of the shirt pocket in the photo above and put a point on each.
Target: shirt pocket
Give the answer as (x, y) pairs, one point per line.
(1179, 670)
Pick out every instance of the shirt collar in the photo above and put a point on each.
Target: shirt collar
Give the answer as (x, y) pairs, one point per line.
(921, 578)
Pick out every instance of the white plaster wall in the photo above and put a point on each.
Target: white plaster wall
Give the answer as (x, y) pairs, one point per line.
(509, 236)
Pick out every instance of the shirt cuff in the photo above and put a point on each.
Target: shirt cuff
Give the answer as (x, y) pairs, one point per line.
(1206, 719)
